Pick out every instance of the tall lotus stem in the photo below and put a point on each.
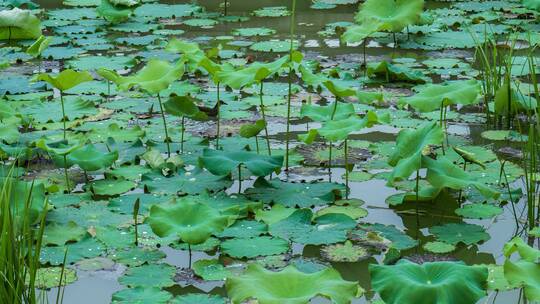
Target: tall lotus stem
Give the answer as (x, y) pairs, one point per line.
(417, 202)
(330, 163)
(164, 126)
(239, 179)
(289, 95)
(135, 219)
(218, 118)
(189, 252)
(66, 174)
(63, 113)
(264, 118)
(346, 148)
(182, 136)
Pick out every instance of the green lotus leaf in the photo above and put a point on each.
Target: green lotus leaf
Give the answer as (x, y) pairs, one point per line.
(66, 79)
(353, 212)
(113, 13)
(272, 11)
(19, 24)
(155, 275)
(199, 298)
(190, 51)
(129, 3)
(210, 270)
(435, 96)
(391, 72)
(410, 146)
(479, 211)
(39, 46)
(439, 247)
(58, 234)
(519, 101)
(59, 148)
(184, 106)
(442, 173)
(391, 15)
(137, 256)
(338, 90)
(223, 162)
(89, 158)
(24, 197)
(244, 229)
(191, 182)
(357, 33)
(324, 113)
(453, 233)
(117, 133)
(86, 248)
(337, 130)
(470, 157)
(49, 277)
(156, 76)
(253, 31)
(192, 222)
(294, 194)
(254, 247)
(346, 252)
(438, 282)
(141, 295)
(290, 286)
(326, 229)
(275, 214)
(111, 187)
(384, 233)
(524, 272)
(251, 130)
(254, 73)
(531, 4)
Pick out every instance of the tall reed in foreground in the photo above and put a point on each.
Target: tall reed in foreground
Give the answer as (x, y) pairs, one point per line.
(20, 246)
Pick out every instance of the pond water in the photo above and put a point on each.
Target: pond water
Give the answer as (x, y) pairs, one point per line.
(316, 34)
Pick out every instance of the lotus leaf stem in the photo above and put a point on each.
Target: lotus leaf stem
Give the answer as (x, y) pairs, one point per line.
(264, 118)
(165, 126)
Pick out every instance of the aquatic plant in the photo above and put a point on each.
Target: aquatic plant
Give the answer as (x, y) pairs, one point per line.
(18, 24)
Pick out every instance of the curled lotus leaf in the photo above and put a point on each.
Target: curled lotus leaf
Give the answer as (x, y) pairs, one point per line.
(66, 79)
(437, 282)
(19, 24)
(89, 158)
(290, 286)
(156, 76)
(192, 222)
(391, 15)
(434, 96)
(410, 147)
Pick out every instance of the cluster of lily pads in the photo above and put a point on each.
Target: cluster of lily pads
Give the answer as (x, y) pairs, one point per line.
(145, 145)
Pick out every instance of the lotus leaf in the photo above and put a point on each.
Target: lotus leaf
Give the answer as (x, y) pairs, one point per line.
(113, 13)
(453, 233)
(222, 162)
(210, 270)
(66, 79)
(58, 234)
(254, 247)
(410, 146)
(192, 222)
(524, 272)
(294, 194)
(141, 295)
(324, 113)
(327, 229)
(290, 286)
(19, 24)
(89, 158)
(442, 173)
(198, 298)
(191, 182)
(156, 76)
(155, 275)
(435, 96)
(438, 282)
(346, 252)
(37, 48)
(49, 277)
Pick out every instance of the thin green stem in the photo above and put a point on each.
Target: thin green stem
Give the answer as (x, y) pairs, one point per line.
(264, 118)
(239, 179)
(182, 135)
(66, 174)
(63, 112)
(289, 95)
(167, 139)
(218, 105)
(330, 163)
(346, 168)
